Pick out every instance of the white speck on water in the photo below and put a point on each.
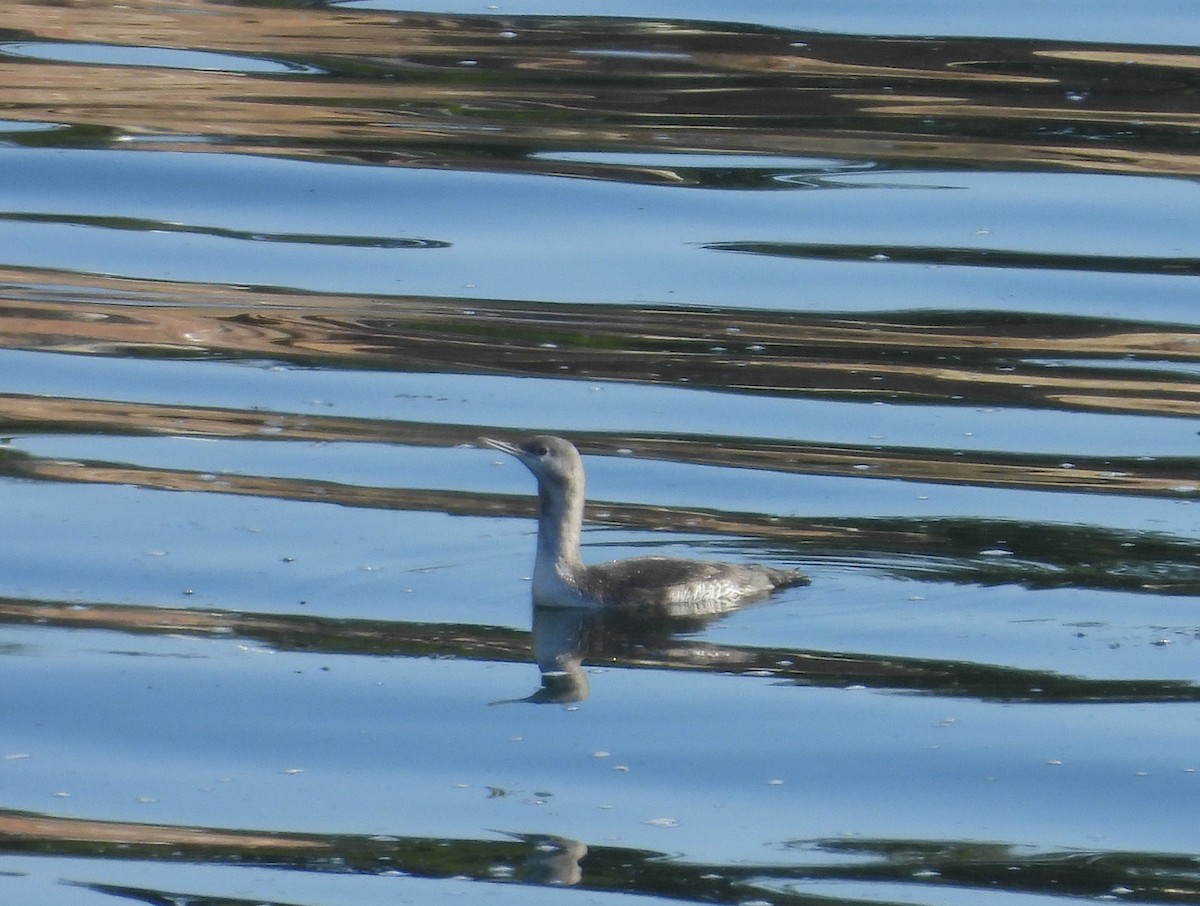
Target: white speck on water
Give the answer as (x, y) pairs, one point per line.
(663, 822)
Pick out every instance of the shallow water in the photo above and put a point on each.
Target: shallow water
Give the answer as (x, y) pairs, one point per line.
(905, 298)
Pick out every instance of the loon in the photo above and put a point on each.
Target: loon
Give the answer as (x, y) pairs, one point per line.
(669, 585)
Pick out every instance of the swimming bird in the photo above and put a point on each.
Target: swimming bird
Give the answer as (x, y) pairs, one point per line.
(670, 585)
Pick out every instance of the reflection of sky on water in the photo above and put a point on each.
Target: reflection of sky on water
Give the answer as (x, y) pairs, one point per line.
(153, 57)
(838, 752)
(528, 404)
(1161, 22)
(629, 480)
(636, 243)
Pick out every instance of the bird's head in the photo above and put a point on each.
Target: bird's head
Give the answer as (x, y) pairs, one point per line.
(552, 460)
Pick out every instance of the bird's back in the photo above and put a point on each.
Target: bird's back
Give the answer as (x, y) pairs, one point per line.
(680, 587)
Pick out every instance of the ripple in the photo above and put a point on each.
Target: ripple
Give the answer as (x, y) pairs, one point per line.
(31, 126)
(159, 226)
(155, 57)
(766, 162)
(632, 54)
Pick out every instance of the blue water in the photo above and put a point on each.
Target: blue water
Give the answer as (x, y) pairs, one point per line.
(901, 297)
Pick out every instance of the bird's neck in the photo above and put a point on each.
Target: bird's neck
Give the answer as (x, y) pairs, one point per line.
(560, 518)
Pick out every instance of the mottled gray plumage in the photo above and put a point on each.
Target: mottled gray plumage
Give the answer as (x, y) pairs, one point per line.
(667, 584)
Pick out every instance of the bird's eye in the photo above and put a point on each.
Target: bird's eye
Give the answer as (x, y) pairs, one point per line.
(540, 450)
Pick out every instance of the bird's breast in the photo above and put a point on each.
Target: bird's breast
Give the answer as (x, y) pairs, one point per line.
(555, 585)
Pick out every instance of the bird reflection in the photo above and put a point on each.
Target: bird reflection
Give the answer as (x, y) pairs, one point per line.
(564, 637)
(555, 861)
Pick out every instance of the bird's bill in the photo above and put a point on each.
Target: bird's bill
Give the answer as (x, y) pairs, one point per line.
(503, 446)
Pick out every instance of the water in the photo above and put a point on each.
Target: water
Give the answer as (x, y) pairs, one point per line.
(903, 297)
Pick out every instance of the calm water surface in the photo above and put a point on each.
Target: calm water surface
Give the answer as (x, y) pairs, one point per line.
(904, 297)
